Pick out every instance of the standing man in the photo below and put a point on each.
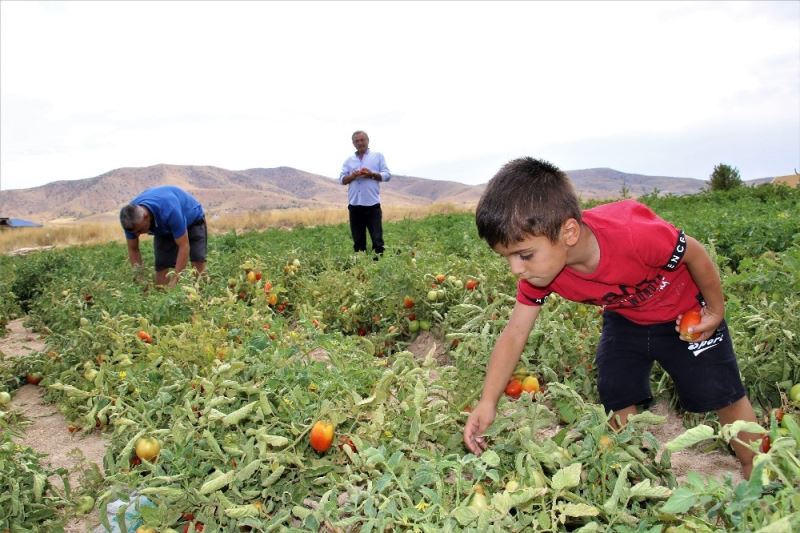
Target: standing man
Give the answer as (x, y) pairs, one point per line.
(176, 221)
(363, 172)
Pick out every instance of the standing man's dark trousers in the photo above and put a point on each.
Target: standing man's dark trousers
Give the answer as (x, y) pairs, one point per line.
(363, 218)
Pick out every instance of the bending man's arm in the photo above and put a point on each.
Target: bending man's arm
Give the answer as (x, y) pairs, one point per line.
(183, 257)
(134, 255)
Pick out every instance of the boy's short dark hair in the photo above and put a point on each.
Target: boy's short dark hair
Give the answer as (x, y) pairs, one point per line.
(526, 197)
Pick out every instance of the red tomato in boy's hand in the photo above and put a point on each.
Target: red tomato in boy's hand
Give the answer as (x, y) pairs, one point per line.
(689, 320)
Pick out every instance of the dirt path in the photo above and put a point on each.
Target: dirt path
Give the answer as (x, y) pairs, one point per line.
(47, 432)
(715, 463)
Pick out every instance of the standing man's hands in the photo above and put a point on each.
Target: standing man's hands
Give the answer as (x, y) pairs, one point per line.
(362, 173)
(479, 419)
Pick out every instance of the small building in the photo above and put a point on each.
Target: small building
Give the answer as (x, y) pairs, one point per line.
(18, 223)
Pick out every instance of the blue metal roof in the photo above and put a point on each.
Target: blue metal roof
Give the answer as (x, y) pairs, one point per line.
(19, 223)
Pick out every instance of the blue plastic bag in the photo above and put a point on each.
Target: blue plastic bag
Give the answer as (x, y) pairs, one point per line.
(130, 512)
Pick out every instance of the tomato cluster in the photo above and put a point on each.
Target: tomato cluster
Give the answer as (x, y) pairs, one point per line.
(520, 383)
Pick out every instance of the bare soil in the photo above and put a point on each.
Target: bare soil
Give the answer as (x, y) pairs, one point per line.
(47, 431)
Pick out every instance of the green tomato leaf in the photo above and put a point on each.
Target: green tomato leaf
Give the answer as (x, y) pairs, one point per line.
(690, 437)
(680, 502)
(567, 478)
(490, 458)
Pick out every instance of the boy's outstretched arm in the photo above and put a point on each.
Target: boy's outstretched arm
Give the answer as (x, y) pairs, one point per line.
(705, 275)
(503, 361)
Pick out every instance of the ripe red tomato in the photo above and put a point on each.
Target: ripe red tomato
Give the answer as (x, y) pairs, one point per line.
(765, 444)
(408, 302)
(689, 319)
(198, 526)
(321, 436)
(258, 276)
(33, 378)
(514, 388)
(144, 336)
(471, 284)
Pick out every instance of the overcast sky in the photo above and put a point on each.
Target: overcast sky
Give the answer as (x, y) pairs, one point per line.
(448, 90)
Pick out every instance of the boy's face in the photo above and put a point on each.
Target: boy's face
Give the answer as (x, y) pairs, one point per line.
(535, 259)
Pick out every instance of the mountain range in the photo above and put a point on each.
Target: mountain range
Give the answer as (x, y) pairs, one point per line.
(224, 191)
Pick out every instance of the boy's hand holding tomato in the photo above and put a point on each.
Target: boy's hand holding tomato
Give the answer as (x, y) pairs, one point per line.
(697, 324)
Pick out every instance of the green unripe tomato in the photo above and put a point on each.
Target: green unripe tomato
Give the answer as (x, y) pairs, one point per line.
(794, 393)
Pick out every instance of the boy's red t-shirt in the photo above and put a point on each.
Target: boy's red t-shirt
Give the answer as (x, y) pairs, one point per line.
(641, 274)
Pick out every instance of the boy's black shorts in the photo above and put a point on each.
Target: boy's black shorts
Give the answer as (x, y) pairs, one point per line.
(705, 374)
(166, 250)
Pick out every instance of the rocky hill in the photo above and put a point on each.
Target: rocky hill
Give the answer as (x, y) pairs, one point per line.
(224, 191)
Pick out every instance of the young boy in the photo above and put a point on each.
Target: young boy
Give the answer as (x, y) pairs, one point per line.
(645, 274)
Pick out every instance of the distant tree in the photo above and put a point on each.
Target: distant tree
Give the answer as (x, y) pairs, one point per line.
(724, 178)
(625, 191)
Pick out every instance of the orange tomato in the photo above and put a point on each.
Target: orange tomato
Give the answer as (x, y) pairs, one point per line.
(689, 319)
(471, 284)
(321, 436)
(144, 336)
(530, 384)
(408, 302)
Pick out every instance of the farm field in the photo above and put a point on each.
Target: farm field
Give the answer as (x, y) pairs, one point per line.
(207, 395)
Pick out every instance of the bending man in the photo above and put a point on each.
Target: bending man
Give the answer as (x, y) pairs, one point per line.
(176, 221)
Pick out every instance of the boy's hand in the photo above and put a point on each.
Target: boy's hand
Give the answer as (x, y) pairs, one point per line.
(709, 322)
(479, 419)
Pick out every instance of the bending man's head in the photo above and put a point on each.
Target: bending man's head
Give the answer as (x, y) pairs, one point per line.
(133, 219)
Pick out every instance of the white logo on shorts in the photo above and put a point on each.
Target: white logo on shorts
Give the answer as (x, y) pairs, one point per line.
(699, 347)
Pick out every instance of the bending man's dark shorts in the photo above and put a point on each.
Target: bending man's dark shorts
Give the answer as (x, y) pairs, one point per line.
(166, 250)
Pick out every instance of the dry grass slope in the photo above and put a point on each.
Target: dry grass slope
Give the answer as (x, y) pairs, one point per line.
(69, 233)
